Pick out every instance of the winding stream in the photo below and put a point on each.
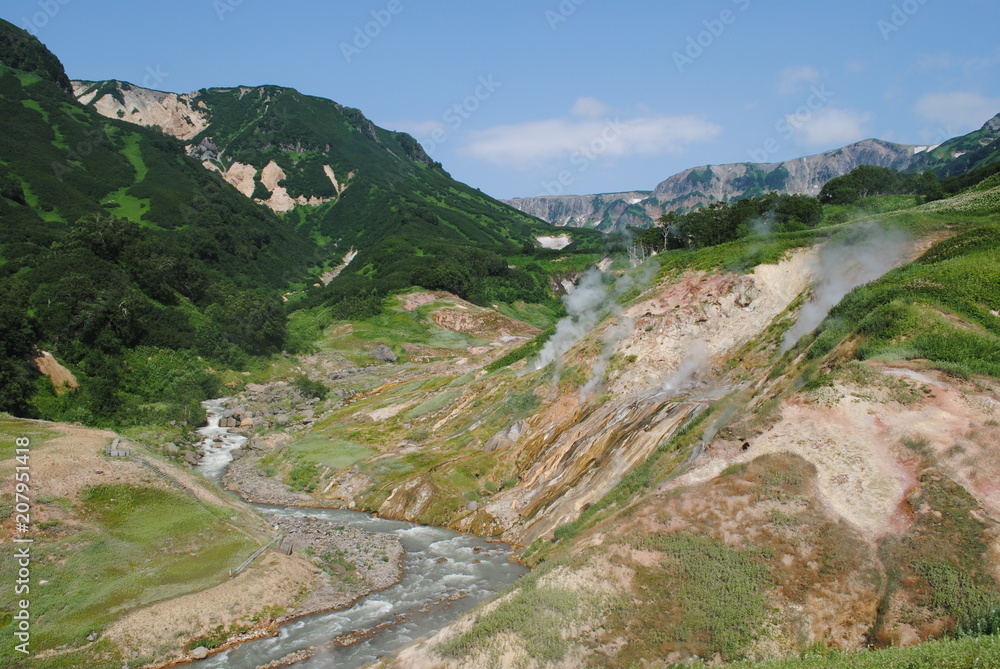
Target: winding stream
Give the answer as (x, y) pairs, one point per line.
(444, 575)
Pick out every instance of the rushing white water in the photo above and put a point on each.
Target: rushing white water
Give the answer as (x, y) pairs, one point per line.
(218, 443)
(444, 575)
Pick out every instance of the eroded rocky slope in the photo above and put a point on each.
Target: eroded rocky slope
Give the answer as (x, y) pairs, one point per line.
(722, 183)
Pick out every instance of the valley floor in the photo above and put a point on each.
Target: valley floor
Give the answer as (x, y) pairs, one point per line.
(131, 567)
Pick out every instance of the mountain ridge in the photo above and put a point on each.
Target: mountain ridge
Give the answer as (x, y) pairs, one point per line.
(702, 185)
(320, 159)
(114, 237)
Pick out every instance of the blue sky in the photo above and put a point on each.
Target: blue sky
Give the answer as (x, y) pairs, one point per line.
(522, 98)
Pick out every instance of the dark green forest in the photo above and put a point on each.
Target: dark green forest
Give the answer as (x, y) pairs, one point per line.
(143, 272)
(723, 222)
(146, 274)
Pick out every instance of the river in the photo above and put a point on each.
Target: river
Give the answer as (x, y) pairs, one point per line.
(444, 575)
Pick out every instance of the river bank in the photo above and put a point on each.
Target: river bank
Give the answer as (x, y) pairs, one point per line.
(375, 585)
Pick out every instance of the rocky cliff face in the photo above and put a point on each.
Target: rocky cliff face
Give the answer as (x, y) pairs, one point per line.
(607, 211)
(192, 119)
(702, 185)
(182, 116)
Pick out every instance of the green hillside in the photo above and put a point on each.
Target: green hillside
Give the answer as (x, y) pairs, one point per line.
(124, 257)
(407, 219)
(959, 155)
(113, 241)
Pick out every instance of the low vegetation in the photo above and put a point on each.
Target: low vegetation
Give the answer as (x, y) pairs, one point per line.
(703, 596)
(971, 653)
(940, 308)
(535, 613)
(120, 548)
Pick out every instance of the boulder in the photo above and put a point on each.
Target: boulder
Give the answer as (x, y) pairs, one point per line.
(171, 448)
(199, 653)
(238, 454)
(506, 437)
(516, 430)
(383, 353)
(496, 442)
(190, 457)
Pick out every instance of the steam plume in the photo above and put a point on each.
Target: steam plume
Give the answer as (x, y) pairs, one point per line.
(843, 266)
(593, 300)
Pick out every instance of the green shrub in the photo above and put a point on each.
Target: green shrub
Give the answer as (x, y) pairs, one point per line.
(310, 388)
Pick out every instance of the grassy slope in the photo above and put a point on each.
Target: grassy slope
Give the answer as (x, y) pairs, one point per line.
(396, 190)
(957, 279)
(971, 653)
(425, 388)
(108, 549)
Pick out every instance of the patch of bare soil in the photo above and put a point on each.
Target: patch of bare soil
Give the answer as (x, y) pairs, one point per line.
(854, 439)
(276, 581)
(412, 301)
(62, 379)
(719, 312)
(75, 460)
(483, 323)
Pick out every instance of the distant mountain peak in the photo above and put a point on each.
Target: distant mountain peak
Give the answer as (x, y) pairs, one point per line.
(275, 145)
(699, 186)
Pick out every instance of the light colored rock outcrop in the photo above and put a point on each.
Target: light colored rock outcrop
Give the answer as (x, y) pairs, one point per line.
(185, 117)
(691, 188)
(178, 115)
(241, 177)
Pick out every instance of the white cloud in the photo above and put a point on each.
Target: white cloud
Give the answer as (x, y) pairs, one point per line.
(961, 110)
(979, 64)
(791, 77)
(830, 126)
(855, 65)
(935, 62)
(534, 142)
(590, 108)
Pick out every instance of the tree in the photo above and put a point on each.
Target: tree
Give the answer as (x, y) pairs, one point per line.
(17, 343)
(104, 236)
(252, 321)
